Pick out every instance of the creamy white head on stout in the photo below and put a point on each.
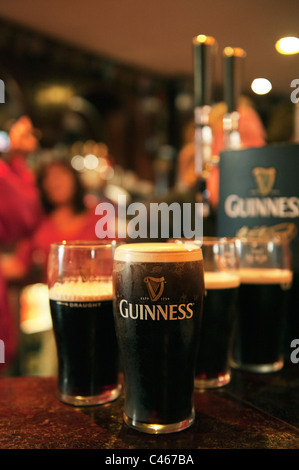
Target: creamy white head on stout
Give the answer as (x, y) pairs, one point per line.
(265, 276)
(221, 279)
(77, 290)
(158, 252)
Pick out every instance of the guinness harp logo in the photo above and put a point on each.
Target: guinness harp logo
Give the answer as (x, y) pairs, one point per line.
(155, 286)
(265, 178)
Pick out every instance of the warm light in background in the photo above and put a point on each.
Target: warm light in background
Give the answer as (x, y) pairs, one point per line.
(261, 86)
(77, 162)
(53, 95)
(203, 39)
(288, 45)
(91, 161)
(234, 51)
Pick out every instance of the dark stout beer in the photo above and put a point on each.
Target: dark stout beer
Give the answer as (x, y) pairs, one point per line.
(212, 368)
(258, 344)
(83, 324)
(157, 309)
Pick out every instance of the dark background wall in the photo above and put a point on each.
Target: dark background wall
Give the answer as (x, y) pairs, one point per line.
(72, 94)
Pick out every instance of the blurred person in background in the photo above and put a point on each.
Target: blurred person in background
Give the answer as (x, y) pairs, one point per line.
(19, 215)
(252, 134)
(65, 217)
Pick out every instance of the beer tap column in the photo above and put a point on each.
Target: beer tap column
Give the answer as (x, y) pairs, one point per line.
(233, 71)
(204, 51)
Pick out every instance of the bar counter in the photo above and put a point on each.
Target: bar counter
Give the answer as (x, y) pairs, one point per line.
(254, 411)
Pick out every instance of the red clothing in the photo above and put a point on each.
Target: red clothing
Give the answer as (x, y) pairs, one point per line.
(19, 206)
(37, 247)
(19, 215)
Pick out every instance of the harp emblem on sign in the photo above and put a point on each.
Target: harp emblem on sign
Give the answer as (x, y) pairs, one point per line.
(155, 286)
(265, 178)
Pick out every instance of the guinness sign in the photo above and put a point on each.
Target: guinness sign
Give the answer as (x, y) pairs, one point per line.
(265, 178)
(259, 196)
(259, 193)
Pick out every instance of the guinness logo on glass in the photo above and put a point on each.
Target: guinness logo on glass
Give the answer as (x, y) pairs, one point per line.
(155, 287)
(265, 178)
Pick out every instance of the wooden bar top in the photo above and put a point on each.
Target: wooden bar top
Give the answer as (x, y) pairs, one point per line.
(254, 411)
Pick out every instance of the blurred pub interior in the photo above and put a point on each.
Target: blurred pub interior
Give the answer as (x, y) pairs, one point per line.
(119, 76)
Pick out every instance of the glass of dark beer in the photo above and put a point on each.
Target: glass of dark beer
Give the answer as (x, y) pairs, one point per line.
(158, 295)
(222, 282)
(80, 291)
(266, 278)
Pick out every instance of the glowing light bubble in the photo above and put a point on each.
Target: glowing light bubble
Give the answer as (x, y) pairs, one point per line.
(77, 162)
(261, 86)
(91, 161)
(288, 45)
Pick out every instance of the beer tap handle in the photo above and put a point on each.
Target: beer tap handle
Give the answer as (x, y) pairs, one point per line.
(233, 74)
(204, 50)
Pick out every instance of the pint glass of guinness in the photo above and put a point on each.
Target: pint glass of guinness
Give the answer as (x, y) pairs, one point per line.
(266, 277)
(80, 291)
(158, 295)
(222, 282)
